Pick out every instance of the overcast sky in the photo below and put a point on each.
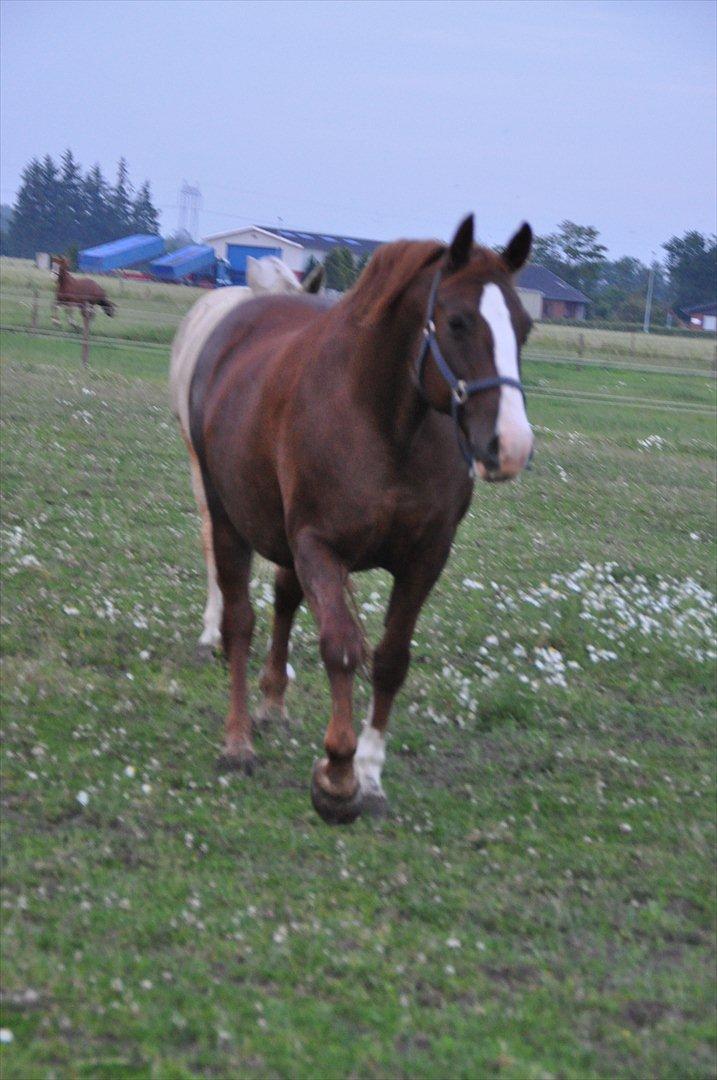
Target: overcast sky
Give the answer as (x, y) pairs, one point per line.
(378, 118)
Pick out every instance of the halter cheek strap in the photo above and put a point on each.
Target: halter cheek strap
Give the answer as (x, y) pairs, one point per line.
(461, 390)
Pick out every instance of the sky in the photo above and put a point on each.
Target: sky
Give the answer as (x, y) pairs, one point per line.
(379, 118)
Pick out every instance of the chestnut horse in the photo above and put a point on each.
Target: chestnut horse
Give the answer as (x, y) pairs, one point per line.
(82, 293)
(343, 438)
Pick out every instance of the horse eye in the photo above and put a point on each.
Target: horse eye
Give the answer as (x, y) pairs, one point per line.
(458, 323)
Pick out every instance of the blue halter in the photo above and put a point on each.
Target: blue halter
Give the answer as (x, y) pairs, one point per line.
(461, 390)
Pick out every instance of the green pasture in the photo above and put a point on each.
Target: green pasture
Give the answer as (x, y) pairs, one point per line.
(150, 312)
(541, 901)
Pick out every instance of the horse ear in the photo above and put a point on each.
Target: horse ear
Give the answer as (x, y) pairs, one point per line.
(461, 245)
(517, 249)
(313, 281)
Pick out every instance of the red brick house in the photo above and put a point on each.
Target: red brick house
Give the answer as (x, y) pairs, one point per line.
(702, 317)
(546, 296)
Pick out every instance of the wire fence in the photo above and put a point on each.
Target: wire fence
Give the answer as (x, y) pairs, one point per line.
(33, 314)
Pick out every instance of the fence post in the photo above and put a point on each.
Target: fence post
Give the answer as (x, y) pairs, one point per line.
(581, 344)
(33, 323)
(86, 316)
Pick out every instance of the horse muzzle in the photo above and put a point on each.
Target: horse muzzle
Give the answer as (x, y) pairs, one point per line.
(504, 458)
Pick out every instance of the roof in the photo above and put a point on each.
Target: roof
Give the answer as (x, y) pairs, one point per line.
(191, 251)
(275, 234)
(302, 239)
(326, 241)
(118, 253)
(191, 259)
(701, 309)
(549, 284)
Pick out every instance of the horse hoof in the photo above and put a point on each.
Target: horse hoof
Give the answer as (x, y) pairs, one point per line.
(375, 804)
(238, 761)
(204, 653)
(334, 809)
(270, 712)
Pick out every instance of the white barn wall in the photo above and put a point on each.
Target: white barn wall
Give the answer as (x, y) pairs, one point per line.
(293, 255)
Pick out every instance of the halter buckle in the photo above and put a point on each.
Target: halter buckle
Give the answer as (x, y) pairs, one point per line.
(460, 392)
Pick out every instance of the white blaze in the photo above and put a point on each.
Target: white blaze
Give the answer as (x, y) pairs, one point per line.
(512, 427)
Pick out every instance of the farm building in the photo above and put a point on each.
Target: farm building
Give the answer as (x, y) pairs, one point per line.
(702, 317)
(546, 296)
(298, 249)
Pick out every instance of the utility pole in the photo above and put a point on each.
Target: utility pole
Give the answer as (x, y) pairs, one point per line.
(648, 299)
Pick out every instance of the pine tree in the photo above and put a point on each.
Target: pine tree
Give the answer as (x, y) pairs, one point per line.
(49, 202)
(121, 201)
(69, 221)
(58, 209)
(145, 218)
(24, 236)
(96, 215)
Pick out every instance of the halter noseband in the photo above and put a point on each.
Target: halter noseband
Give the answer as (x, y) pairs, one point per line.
(461, 391)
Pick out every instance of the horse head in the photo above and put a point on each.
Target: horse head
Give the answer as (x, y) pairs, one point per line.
(469, 359)
(270, 275)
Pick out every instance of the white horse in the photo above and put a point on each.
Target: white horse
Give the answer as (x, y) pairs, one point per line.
(267, 275)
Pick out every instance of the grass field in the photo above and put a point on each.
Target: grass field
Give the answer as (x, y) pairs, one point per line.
(149, 311)
(541, 902)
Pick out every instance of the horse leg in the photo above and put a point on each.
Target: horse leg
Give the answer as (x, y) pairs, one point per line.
(70, 316)
(288, 594)
(390, 666)
(335, 790)
(212, 619)
(233, 562)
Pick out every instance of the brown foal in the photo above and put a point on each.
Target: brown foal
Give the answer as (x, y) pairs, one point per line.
(82, 293)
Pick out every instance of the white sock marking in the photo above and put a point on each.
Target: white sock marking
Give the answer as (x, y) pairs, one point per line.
(212, 632)
(369, 759)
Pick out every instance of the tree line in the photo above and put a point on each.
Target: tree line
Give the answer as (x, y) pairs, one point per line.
(617, 289)
(58, 209)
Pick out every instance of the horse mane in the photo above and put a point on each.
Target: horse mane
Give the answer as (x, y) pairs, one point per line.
(390, 271)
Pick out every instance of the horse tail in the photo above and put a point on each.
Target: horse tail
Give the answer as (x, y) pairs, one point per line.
(108, 307)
